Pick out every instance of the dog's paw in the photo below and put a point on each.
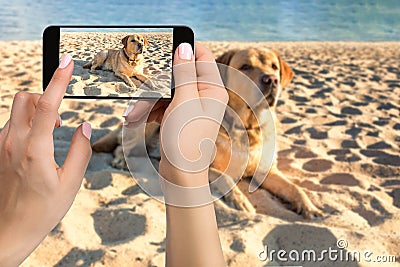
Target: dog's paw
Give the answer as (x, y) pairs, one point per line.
(236, 199)
(119, 163)
(131, 84)
(306, 208)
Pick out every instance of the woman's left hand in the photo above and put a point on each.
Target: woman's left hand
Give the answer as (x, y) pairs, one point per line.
(35, 193)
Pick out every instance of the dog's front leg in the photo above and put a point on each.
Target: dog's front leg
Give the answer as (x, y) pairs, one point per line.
(280, 186)
(226, 187)
(125, 78)
(144, 79)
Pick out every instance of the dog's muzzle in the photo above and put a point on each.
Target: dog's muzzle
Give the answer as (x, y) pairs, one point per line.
(269, 83)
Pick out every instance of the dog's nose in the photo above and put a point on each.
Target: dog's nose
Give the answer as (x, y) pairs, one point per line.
(269, 80)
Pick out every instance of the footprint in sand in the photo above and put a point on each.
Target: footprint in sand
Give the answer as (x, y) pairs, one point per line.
(80, 257)
(315, 134)
(336, 123)
(379, 145)
(132, 190)
(350, 144)
(110, 122)
(91, 91)
(395, 194)
(304, 153)
(288, 120)
(97, 180)
(118, 226)
(317, 165)
(341, 179)
(351, 111)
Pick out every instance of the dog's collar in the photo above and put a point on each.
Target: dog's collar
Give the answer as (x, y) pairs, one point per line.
(128, 58)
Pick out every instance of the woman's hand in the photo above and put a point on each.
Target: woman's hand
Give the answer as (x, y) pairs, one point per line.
(35, 193)
(193, 116)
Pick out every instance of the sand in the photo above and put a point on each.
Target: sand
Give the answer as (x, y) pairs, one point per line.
(83, 46)
(338, 139)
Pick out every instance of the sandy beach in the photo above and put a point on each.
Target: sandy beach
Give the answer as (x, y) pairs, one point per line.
(83, 46)
(338, 139)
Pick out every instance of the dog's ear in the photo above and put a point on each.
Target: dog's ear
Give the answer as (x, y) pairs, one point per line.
(225, 59)
(286, 72)
(146, 43)
(125, 41)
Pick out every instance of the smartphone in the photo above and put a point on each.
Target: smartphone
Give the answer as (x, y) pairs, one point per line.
(115, 62)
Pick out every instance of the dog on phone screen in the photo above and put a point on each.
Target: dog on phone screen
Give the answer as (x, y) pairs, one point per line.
(271, 74)
(126, 62)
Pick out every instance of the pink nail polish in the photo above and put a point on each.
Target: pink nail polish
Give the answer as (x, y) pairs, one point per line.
(87, 130)
(185, 51)
(65, 61)
(128, 110)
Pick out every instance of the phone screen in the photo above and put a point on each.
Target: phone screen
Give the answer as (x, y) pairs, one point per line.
(119, 62)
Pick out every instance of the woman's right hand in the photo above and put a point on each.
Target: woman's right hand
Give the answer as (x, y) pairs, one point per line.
(193, 116)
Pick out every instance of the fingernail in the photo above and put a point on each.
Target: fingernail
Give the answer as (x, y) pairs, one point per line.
(65, 61)
(87, 130)
(185, 51)
(125, 123)
(60, 121)
(128, 110)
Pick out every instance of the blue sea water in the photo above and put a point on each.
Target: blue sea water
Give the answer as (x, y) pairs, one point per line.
(252, 20)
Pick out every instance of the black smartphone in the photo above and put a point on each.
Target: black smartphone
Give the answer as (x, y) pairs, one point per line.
(115, 62)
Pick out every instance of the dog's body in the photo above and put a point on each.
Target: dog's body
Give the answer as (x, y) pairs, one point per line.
(266, 70)
(126, 62)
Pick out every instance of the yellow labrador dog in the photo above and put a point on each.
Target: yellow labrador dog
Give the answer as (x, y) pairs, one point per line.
(271, 74)
(126, 62)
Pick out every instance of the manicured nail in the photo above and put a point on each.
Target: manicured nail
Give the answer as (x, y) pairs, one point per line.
(60, 121)
(185, 51)
(87, 130)
(128, 110)
(65, 61)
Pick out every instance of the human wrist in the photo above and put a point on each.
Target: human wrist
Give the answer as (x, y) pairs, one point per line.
(181, 177)
(15, 245)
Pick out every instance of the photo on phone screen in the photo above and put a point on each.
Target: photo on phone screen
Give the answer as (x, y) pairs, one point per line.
(119, 62)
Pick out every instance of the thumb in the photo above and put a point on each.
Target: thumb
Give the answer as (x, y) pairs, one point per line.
(184, 70)
(78, 157)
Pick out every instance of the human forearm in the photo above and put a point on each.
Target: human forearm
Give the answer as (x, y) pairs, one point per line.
(192, 237)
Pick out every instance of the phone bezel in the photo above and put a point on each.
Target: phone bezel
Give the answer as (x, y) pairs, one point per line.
(51, 48)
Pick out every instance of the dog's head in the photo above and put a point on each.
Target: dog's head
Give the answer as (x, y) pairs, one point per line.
(134, 44)
(263, 66)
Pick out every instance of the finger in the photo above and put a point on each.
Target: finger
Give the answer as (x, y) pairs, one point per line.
(185, 77)
(78, 157)
(22, 111)
(157, 113)
(209, 79)
(141, 109)
(47, 107)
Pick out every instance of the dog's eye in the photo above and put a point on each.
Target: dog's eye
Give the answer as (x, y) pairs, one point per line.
(274, 67)
(246, 67)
